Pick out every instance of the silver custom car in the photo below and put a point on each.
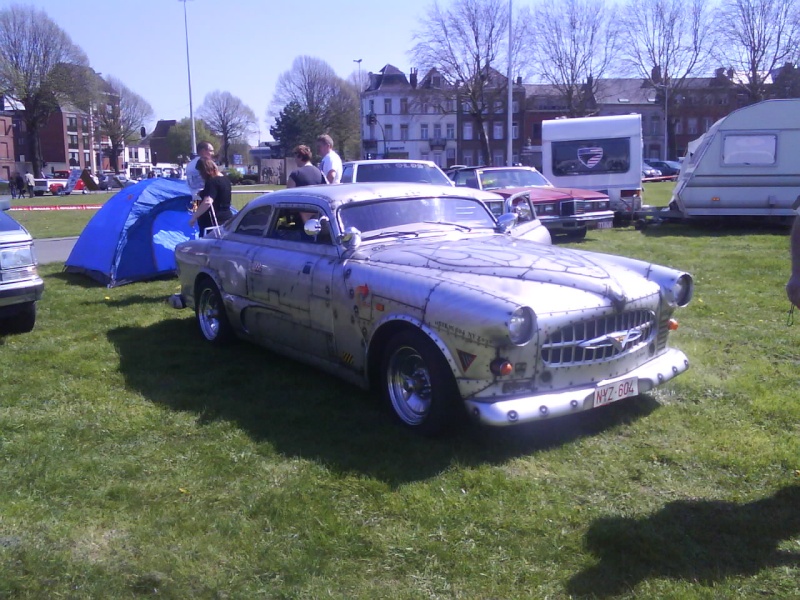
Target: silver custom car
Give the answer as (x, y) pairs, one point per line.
(419, 292)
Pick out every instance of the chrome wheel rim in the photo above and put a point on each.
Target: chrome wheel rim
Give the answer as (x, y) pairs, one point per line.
(409, 385)
(208, 314)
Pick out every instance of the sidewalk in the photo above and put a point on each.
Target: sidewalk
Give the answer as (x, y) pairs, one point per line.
(53, 250)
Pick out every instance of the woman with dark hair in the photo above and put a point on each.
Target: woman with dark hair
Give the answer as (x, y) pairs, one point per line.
(305, 173)
(215, 198)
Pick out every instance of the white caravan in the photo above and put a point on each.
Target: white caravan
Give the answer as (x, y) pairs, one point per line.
(597, 153)
(746, 164)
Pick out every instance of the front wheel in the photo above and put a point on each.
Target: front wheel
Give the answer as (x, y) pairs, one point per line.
(577, 234)
(23, 322)
(211, 316)
(417, 383)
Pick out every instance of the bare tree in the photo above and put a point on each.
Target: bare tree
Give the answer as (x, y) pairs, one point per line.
(322, 96)
(228, 118)
(120, 116)
(757, 36)
(572, 45)
(467, 43)
(33, 50)
(665, 41)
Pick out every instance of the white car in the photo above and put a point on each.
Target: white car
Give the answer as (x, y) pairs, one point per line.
(393, 169)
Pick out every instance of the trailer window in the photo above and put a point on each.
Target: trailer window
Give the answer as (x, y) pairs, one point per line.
(591, 157)
(749, 149)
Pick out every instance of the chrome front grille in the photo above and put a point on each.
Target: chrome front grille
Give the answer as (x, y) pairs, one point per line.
(599, 339)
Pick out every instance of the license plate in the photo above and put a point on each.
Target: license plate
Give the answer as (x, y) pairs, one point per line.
(605, 224)
(611, 392)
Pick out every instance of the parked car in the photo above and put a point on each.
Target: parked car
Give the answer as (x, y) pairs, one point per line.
(415, 171)
(20, 284)
(563, 211)
(648, 171)
(419, 292)
(669, 168)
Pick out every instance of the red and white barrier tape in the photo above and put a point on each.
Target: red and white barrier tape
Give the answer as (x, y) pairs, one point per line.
(60, 207)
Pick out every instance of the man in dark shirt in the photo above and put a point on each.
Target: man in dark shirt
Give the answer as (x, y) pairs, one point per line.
(306, 173)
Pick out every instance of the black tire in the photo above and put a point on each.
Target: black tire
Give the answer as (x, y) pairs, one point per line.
(23, 322)
(418, 385)
(577, 234)
(212, 320)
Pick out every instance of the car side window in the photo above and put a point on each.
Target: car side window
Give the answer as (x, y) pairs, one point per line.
(347, 174)
(255, 222)
(289, 225)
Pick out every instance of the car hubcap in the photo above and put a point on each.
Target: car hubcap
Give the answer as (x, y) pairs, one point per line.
(208, 314)
(410, 388)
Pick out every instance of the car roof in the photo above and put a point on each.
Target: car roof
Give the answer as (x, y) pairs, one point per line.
(345, 193)
(386, 161)
(493, 168)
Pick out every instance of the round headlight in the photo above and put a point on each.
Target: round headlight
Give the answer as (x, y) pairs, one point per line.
(682, 290)
(520, 326)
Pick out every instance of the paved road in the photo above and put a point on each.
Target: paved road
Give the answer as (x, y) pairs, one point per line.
(53, 250)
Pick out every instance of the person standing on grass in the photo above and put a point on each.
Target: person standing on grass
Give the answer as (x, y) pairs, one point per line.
(20, 185)
(193, 177)
(331, 166)
(305, 173)
(215, 198)
(793, 286)
(30, 183)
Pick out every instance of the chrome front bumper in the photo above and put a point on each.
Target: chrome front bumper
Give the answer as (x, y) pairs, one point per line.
(539, 407)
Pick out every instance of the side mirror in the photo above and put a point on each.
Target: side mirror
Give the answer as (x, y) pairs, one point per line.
(5, 203)
(313, 227)
(506, 222)
(351, 238)
(520, 204)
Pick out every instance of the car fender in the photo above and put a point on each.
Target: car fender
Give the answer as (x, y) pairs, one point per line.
(381, 334)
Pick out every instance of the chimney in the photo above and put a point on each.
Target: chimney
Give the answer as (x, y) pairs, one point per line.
(730, 73)
(655, 74)
(719, 73)
(519, 80)
(413, 78)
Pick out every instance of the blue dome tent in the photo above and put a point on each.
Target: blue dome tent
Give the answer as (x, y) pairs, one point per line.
(133, 236)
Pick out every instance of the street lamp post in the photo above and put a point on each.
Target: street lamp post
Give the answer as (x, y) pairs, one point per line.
(360, 108)
(189, 74)
(510, 126)
(666, 119)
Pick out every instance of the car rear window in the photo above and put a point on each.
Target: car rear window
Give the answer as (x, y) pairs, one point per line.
(406, 172)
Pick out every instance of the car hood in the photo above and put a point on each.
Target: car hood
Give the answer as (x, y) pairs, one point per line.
(518, 268)
(548, 194)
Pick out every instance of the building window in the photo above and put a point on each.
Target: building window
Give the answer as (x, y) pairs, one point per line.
(404, 132)
(466, 155)
(498, 106)
(72, 123)
(451, 131)
(450, 106)
(723, 99)
(436, 81)
(465, 107)
(73, 159)
(372, 106)
(87, 161)
(497, 158)
(424, 155)
(85, 124)
(468, 132)
(536, 131)
(707, 123)
(679, 127)
(389, 130)
(387, 106)
(132, 155)
(451, 156)
(498, 130)
(147, 155)
(85, 140)
(437, 131)
(437, 158)
(655, 125)
(423, 131)
(515, 106)
(403, 106)
(73, 141)
(514, 131)
(691, 128)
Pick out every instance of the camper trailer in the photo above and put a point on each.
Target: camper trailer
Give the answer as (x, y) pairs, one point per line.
(597, 153)
(746, 164)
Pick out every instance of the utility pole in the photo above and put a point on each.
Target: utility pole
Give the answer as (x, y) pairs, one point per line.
(360, 109)
(189, 74)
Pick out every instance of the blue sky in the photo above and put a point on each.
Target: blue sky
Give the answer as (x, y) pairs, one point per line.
(241, 46)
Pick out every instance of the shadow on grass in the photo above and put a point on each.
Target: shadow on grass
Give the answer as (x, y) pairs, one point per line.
(691, 540)
(306, 413)
(702, 228)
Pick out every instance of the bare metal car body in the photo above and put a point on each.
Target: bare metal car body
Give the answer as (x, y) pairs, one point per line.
(464, 314)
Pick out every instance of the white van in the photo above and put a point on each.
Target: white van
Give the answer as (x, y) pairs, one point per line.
(597, 153)
(746, 164)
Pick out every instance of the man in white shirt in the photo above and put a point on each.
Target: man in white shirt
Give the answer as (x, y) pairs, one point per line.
(793, 286)
(331, 165)
(193, 177)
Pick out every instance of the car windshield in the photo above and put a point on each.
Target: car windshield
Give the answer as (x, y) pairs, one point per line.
(401, 171)
(398, 213)
(511, 178)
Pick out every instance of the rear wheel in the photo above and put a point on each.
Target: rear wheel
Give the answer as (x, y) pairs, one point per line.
(577, 234)
(211, 316)
(417, 383)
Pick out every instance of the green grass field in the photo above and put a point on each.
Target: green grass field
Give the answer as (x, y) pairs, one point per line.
(137, 461)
